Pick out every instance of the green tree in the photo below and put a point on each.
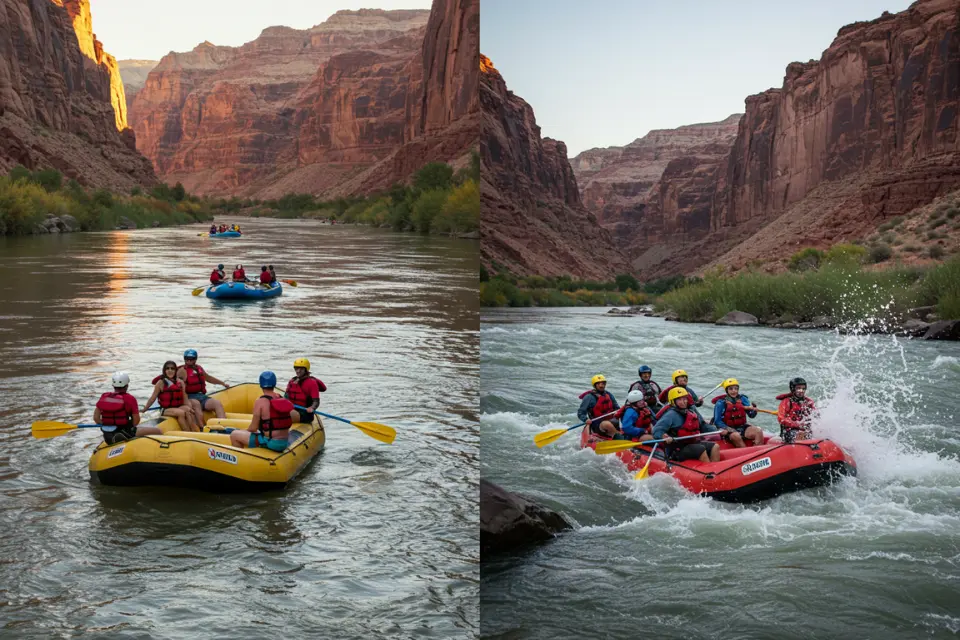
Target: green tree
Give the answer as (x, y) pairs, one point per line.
(427, 207)
(461, 211)
(178, 192)
(626, 281)
(433, 175)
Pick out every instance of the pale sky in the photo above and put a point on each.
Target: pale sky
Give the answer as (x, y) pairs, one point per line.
(604, 73)
(148, 30)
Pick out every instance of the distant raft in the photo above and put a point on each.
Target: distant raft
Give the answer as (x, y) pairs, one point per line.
(206, 460)
(244, 291)
(748, 474)
(226, 234)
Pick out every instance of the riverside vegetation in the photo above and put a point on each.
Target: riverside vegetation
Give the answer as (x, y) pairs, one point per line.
(439, 201)
(506, 290)
(29, 198)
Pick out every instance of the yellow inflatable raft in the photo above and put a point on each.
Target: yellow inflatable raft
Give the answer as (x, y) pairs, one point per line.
(207, 460)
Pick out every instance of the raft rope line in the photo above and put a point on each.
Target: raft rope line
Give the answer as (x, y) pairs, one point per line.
(272, 461)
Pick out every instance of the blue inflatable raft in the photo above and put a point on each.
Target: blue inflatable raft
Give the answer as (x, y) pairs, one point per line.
(243, 291)
(226, 234)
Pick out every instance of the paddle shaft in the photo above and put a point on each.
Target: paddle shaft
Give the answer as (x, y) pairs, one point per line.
(583, 424)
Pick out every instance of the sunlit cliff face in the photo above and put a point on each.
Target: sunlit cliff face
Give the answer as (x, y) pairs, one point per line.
(79, 12)
(485, 65)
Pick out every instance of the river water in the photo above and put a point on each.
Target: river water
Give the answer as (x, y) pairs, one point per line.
(873, 557)
(370, 540)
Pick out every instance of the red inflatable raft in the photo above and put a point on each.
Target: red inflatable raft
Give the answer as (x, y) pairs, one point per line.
(749, 474)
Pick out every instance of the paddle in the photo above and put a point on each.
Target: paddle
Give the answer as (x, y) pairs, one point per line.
(292, 283)
(544, 438)
(643, 472)
(773, 413)
(613, 446)
(51, 429)
(380, 432)
(199, 290)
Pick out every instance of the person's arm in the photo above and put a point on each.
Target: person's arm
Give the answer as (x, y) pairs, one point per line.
(750, 412)
(156, 392)
(96, 415)
(718, 411)
(255, 420)
(785, 421)
(614, 400)
(134, 409)
(697, 399)
(216, 380)
(706, 427)
(629, 424)
(585, 406)
(663, 425)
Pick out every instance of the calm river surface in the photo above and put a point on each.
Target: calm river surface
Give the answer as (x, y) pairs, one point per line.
(371, 540)
(875, 557)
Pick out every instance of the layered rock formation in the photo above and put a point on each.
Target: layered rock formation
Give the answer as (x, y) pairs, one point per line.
(291, 110)
(533, 221)
(134, 74)
(868, 132)
(61, 97)
(617, 183)
(442, 118)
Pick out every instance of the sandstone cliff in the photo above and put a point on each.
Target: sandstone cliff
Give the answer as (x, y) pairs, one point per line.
(134, 74)
(442, 113)
(868, 132)
(292, 110)
(532, 219)
(61, 97)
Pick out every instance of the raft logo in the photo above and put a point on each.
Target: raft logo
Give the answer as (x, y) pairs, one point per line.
(115, 452)
(222, 456)
(756, 465)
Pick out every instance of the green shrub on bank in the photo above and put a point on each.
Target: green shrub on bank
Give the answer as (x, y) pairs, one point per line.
(26, 198)
(841, 293)
(505, 290)
(806, 260)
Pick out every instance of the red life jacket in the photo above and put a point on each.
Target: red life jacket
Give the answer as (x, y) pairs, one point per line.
(266, 277)
(690, 426)
(297, 395)
(797, 410)
(280, 419)
(172, 394)
(113, 410)
(196, 379)
(238, 274)
(604, 404)
(734, 414)
(644, 417)
(215, 277)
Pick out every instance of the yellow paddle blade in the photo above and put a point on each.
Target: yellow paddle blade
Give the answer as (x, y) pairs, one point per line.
(50, 429)
(292, 283)
(199, 290)
(544, 438)
(380, 432)
(643, 473)
(613, 446)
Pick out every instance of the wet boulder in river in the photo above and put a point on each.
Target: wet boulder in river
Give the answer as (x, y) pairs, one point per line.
(508, 520)
(737, 319)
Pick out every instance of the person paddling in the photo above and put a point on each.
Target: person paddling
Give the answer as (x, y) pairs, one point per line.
(598, 402)
(730, 413)
(680, 379)
(265, 276)
(213, 229)
(217, 276)
(171, 392)
(239, 275)
(272, 272)
(196, 385)
(304, 390)
(119, 414)
(271, 422)
(649, 388)
(795, 412)
(681, 420)
(637, 420)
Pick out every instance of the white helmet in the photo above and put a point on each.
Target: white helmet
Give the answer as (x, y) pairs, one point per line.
(635, 396)
(120, 380)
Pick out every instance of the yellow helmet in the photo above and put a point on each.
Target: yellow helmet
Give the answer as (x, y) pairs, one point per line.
(730, 382)
(301, 362)
(597, 378)
(677, 392)
(677, 374)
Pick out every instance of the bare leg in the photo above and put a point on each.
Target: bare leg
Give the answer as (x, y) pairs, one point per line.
(755, 434)
(148, 431)
(607, 427)
(197, 411)
(646, 437)
(214, 405)
(240, 438)
(714, 452)
(736, 440)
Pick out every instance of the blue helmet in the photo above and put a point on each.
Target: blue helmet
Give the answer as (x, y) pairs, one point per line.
(268, 380)
(644, 369)
(190, 353)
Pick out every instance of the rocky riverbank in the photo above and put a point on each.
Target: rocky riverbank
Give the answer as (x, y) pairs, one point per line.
(922, 322)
